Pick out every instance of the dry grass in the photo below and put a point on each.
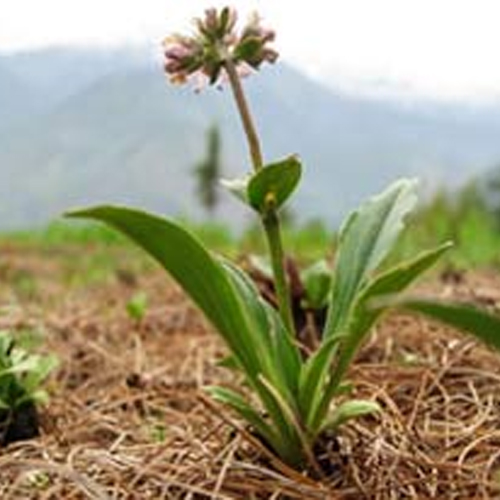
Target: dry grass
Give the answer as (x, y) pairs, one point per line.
(128, 419)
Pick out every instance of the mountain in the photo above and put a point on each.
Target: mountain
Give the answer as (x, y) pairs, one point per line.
(91, 126)
(17, 98)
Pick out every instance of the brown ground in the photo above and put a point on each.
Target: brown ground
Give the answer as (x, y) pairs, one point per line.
(128, 420)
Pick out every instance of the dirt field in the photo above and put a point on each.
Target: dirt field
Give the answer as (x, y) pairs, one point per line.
(128, 418)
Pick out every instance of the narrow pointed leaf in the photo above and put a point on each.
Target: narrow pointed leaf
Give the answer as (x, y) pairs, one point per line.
(366, 312)
(286, 353)
(365, 241)
(229, 362)
(271, 186)
(274, 342)
(479, 323)
(349, 410)
(313, 376)
(242, 408)
(257, 318)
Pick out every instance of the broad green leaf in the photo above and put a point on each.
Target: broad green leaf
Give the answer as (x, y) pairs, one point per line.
(223, 294)
(479, 323)
(190, 264)
(271, 186)
(349, 410)
(365, 240)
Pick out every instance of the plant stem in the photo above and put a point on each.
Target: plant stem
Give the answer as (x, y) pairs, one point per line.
(273, 232)
(246, 117)
(270, 219)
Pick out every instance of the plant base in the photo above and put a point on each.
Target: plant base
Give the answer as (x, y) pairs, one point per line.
(19, 424)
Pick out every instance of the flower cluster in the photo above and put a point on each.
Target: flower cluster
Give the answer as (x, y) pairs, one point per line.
(217, 43)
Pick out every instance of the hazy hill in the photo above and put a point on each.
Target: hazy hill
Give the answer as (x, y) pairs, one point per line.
(86, 127)
(17, 98)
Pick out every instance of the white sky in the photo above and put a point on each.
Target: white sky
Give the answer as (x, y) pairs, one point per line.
(446, 49)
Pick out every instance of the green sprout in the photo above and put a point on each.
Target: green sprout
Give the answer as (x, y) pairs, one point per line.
(289, 401)
(137, 306)
(21, 378)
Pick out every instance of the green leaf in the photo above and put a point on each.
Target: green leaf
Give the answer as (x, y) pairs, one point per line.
(286, 353)
(18, 366)
(44, 367)
(285, 444)
(280, 355)
(190, 264)
(39, 396)
(317, 280)
(366, 311)
(365, 240)
(479, 323)
(312, 379)
(226, 296)
(240, 406)
(6, 344)
(271, 186)
(349, 410)
(229, 362)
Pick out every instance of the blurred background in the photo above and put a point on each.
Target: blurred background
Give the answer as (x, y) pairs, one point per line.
(365, 92)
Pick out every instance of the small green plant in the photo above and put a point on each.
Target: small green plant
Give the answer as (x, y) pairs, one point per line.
(21, 377)
(137, 306)
(290, 402)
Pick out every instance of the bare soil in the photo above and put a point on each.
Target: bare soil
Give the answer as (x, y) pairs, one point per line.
(128, 418)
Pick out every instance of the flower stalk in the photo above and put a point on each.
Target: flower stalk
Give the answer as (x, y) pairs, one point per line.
(245, 115)
(270, 219)
(215, 49)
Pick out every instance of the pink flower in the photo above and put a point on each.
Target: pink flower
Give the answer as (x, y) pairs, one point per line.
(214, 44)
(183, 56)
